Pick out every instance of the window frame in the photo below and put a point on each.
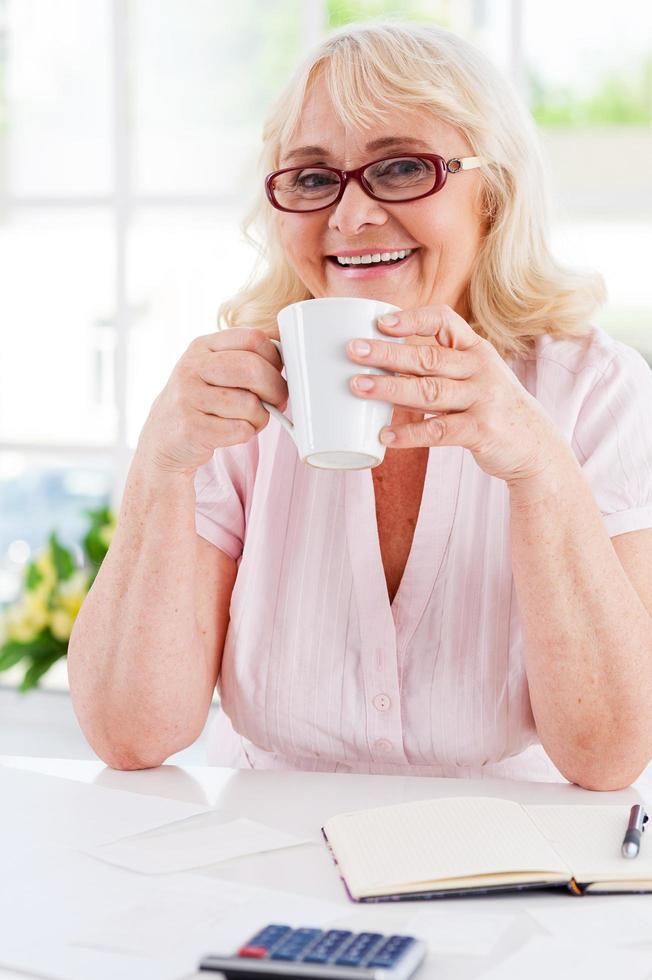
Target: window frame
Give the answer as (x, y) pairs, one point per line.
(122, 204)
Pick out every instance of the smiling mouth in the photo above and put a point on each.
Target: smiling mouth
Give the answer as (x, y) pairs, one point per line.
(377, 264)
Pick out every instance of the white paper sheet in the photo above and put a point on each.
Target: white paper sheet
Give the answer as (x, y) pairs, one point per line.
(62, 910)
(52, 894)
(194, 927)
(625, 920)
(203, 841)
(46, 809)
(547, 959)
(454, 932)
(61, 962)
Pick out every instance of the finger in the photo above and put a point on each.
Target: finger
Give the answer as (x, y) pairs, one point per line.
(444, 430)
(226, 432)
(430, 394)
(231, 403)
(450, 329)
(241, 338)
(415, 359)
(244, 369)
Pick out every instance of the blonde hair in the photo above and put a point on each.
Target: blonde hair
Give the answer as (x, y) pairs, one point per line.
(517, 290)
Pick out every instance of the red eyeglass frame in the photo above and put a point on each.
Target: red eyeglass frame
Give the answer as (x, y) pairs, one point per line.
(442, 167)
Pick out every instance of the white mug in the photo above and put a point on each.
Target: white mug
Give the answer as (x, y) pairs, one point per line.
(333, 429)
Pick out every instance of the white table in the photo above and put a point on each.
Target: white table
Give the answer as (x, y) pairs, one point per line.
(300, 802)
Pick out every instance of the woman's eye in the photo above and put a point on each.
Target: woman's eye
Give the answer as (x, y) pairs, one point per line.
(399, 168)
(309, 181)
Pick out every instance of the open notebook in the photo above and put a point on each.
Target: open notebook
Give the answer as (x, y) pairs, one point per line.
(473, 845)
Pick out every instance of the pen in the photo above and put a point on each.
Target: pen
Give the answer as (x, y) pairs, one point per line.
(635, 827)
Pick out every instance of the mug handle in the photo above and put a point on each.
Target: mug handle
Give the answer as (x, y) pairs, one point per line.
(278, 415)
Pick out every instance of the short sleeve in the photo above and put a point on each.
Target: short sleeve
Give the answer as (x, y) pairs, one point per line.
(223, 489)
(613, 441)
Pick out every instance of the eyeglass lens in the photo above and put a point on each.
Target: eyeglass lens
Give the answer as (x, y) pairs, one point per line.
(394, 179)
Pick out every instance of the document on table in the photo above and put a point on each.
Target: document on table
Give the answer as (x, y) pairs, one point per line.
(49, 809)
(542, 958)
(64, 910)
(59, 961)
(618, 923)
(454, 932)
(202, 841)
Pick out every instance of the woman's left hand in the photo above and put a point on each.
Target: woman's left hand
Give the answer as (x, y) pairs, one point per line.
(480, 403)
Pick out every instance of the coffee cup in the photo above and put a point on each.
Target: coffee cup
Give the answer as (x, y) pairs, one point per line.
(333, 429)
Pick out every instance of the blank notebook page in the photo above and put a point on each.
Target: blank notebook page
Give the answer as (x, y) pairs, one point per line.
(589, 839)
(433, 839)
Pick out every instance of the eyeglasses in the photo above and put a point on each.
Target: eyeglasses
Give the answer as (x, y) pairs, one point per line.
(392, 180)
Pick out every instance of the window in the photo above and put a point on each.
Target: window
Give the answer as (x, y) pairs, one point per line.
(128, 135)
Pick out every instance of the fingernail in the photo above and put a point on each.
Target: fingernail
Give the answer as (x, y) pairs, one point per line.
(363, 383)
(389, 320)
(361, 347)
(387, 436)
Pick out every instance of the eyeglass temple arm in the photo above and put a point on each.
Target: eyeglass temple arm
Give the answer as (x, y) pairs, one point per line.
(463, 163)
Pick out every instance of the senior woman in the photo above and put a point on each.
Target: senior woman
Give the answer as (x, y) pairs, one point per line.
(487, 589)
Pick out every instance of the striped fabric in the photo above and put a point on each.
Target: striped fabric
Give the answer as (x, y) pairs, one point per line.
(320, 672)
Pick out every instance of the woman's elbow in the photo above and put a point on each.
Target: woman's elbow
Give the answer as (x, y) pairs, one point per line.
(125, 760)
(603, 775)
(598, 764)
(602, 782)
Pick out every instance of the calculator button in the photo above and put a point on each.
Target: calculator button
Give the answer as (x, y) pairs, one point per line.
(269, 936)
(328, 946)
(360, 948)
(390, 951)
(294, 945)
(253, 952)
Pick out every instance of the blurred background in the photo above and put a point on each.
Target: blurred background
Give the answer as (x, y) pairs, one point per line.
(129, 130)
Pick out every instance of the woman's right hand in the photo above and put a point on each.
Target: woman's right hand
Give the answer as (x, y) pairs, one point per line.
(213, 398)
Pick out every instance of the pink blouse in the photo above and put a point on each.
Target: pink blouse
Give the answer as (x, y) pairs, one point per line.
(320, 672)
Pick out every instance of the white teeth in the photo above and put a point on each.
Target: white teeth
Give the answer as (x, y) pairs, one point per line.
(373, 257)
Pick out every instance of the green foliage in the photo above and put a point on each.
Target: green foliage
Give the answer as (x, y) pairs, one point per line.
(619, 98)
(64, 562)
(94, 541)
(32, 577)
(37, 668)
(37, 626)
(340, 12)
(38, 655)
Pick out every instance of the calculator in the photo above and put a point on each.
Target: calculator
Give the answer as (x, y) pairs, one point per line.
(334, 954)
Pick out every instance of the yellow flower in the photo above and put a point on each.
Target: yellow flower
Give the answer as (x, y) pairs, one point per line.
(71, 593)
(23, 623)
(35, 603)
(46, 567)
(61, 624)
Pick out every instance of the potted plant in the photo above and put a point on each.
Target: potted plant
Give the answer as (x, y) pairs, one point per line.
(35, 629)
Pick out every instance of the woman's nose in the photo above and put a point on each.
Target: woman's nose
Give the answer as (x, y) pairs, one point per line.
(355, 209)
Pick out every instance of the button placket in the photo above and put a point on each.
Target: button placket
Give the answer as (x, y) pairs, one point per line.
(383, 712)
(382, 702)
(382, 746)
(377, 628)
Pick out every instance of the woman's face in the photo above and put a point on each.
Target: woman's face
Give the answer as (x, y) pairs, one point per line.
(444, 230)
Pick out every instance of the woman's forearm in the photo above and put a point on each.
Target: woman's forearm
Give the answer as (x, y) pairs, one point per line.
(587, 634)
(138, 679)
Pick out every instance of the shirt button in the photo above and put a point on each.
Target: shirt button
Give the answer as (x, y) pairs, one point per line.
(382, 702)
(382, 745)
